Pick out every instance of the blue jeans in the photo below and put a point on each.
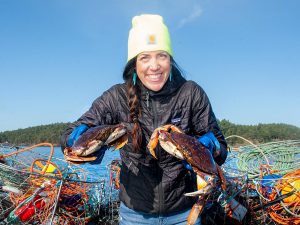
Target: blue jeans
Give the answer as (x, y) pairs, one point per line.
(131, 217)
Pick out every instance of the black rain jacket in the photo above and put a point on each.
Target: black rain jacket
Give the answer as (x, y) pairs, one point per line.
(150, 185)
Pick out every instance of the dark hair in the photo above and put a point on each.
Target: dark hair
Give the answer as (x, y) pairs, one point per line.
(134, 103)
(133, 92)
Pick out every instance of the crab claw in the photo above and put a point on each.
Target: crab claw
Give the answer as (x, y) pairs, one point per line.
(153, 142)
(204, 191)
(203, 188)
(117, 133)
(155, 137)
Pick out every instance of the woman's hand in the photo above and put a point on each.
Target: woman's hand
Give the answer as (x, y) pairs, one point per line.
(211, 143)
(76, 134)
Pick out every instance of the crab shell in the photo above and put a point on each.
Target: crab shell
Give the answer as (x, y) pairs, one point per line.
(94, 139)
(190, 149)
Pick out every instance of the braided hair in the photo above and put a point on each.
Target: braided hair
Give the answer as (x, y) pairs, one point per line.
(133, 92)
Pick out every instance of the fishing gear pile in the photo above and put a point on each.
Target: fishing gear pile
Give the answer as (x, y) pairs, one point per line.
(273, 183)
(37, 188)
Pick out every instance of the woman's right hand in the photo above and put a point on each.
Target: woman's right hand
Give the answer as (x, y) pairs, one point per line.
(76, 134)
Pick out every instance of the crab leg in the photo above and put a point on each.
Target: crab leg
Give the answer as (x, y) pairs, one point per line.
(174, 128)
(119, 143)
(223, 180)
(196, 211)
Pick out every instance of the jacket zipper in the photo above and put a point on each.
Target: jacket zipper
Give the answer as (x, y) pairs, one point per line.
(155, 125)
(147, 99)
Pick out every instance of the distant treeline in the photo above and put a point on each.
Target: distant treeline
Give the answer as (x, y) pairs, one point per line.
(260, 133)
(34, 135)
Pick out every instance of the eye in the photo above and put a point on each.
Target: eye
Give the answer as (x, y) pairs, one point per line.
(143, 58)
(163, 55)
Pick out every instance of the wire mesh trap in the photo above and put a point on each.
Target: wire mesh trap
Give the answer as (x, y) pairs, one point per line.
(38, 188)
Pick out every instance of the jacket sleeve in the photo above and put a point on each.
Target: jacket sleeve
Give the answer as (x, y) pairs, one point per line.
(101, 112)
(204, 120)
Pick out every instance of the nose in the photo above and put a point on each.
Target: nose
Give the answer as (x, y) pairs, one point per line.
(154, 64)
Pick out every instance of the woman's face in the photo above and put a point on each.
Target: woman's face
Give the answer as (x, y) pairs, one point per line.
(153, 69)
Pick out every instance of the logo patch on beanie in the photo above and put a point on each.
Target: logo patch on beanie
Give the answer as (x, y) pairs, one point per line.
(151, 39)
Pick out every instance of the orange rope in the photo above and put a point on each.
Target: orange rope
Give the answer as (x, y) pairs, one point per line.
(31, 147)
(278, 212)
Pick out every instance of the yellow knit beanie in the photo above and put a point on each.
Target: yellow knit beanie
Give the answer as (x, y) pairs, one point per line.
(148, 33)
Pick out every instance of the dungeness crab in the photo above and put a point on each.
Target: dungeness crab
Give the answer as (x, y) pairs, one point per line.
(94, 139)
(177, 143)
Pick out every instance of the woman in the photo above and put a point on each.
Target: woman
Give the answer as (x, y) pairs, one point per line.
(154, 94)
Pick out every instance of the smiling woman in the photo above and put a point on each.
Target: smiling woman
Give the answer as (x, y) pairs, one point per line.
(152, 46)
(154, 93)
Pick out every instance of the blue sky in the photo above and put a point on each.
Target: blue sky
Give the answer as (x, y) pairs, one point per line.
(57, 56)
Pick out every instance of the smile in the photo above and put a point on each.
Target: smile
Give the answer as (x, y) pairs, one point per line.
(155, 77)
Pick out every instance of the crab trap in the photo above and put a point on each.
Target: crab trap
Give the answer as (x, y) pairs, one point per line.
(229, 206)
(273, 184)
(37, 187)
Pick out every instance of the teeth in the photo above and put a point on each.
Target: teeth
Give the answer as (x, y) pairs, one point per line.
(154, 76)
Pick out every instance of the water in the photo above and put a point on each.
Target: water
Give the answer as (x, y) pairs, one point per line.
(96, 171)
(99, 169)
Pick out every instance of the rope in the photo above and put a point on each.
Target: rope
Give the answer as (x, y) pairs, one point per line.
(31, 147)
(232, 136)
(287, 211)
(281, 156)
